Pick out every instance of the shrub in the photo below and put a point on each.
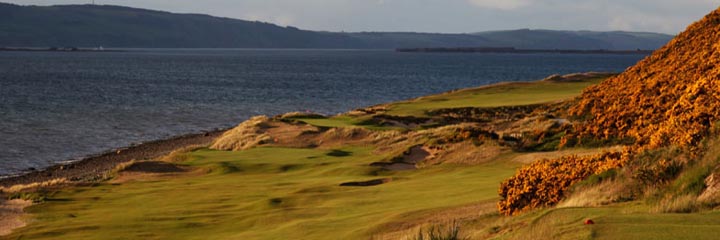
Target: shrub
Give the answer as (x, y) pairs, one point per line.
(451, 232)
(35, 197)
(545, 182)
(660, 172)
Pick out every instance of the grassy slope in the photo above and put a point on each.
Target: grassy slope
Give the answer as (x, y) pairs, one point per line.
(345, 121)
(265, 193)
(509, 94)
(505, 94)
(625, 221)
(279, 193)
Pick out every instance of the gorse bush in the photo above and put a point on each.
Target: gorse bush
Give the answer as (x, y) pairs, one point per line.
(545, 182)
(670, 98)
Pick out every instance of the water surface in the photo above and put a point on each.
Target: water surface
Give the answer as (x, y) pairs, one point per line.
(57, 106)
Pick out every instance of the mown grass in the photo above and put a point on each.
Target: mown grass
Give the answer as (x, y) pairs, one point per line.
(264, 193)
(508, 94)
(623, 221)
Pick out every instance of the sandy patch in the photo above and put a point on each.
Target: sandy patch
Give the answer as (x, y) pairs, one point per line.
(712, 191)
(417, 154)
(11, 214)
(467, 153)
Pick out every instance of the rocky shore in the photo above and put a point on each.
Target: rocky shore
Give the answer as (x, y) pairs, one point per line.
(93, 168)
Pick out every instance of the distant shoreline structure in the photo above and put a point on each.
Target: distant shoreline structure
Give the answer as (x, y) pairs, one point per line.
(55, 49)
(515, 50)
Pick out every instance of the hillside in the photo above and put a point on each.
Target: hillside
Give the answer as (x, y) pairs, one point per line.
(671, 97)
(665, 110)
(115, 26)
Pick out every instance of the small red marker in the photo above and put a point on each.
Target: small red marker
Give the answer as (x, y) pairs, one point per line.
(589, 222)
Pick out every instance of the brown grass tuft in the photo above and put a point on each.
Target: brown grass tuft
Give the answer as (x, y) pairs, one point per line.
(23, 187)
(678, 204)
(245, 136)
(180, 154)
(604, 193)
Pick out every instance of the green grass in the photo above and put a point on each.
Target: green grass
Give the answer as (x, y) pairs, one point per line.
(284, 193)
(264, 193)
(345, 121)
(626, 221)
(510, 94)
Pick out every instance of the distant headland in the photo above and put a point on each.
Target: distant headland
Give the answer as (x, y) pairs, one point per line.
(56, 49)
(515, 50)
(110, 26)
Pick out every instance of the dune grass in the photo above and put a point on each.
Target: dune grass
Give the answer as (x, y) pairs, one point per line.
(264, 193)
(346, 121)
(335, 121)
(506, 94)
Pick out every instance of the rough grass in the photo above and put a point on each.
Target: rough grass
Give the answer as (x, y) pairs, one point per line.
(246, 135)
(335, 121)
(678, 204)
(439, 232)
(345, 121)
(499, 95)
(180, 155)
(23, 187)
(263, 193)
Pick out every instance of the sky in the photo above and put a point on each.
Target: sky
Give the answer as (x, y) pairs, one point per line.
(442, 16)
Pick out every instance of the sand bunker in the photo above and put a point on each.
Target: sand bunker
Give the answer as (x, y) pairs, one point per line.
(373, 182)
(11, 213)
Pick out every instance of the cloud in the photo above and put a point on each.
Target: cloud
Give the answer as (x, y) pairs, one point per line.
(501, 4)
(449, 16)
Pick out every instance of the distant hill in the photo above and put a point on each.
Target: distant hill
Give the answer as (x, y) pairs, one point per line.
(550, 39)
(115, 26)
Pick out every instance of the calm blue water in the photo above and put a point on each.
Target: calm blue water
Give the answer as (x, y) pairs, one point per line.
(62, 106)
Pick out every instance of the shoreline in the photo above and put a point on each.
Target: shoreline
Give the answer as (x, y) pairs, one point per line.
(93, 167)
(55, 49)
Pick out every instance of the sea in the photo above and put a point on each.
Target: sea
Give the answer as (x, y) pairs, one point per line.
(57, 107)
